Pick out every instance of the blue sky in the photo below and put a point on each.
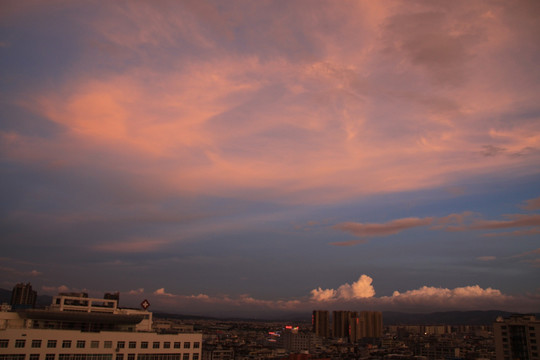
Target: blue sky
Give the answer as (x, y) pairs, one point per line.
(267, 157)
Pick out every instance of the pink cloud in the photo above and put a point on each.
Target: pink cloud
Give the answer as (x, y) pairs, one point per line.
(453, 222)
(133, 246)
(532, 204)
(358, 294)
(162, 292)
(384, 229)
(468, 297)
(56, 289)
(527, 253)
(220, 127)
(516, 220)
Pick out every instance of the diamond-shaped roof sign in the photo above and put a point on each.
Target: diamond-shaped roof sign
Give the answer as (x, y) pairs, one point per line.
(145, 304)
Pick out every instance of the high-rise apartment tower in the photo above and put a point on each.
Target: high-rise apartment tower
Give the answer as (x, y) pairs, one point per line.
(321, 323)
(517, 337)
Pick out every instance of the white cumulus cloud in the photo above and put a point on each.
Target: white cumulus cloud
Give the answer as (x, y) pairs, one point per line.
(360, 289)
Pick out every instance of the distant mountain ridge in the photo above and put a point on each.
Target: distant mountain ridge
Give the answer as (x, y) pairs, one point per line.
(389, 317)
(444, 318)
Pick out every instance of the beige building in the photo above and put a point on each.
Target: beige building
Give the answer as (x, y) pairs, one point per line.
(517, 337)
(81, 328)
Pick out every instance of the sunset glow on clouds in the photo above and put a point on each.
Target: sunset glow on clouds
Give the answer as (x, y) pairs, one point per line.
(188, 144)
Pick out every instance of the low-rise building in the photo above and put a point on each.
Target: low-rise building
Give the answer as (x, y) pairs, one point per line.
(75, 327)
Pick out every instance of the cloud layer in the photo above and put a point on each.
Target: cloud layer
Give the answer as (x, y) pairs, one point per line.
(465, 221)
(358, 295)
(187, 141)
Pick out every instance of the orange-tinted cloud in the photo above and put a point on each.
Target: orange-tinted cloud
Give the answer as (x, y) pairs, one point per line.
(487, 258)
(360, 293)
(532, 204)
(453, 222)
(516, 220)
(359, 289)
(285, 119)
(132, 246)
(384, 229)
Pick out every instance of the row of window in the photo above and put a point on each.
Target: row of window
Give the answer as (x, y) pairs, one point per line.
(81, 344)
(101, 357)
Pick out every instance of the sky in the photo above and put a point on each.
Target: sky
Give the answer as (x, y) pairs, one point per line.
(264, 158)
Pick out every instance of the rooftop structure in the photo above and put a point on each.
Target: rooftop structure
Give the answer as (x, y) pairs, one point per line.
(75, 327)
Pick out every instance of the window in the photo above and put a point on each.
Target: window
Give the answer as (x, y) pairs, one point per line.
(187, 344)
(94, 344)
(121, 344)
(131, 356)
(119, 356)
(12, 357)
(81, 344)
(155, 345)
(20, 343)
(144, 344)
(34, 357)
(195, 356)
(186, 356)
(36, 343)
(196, 345)
(132, 344)
(66, 343)
(49, 356)
(51, 344)
(167, 345)
(4, 343)
(107, 344)
(177, 344)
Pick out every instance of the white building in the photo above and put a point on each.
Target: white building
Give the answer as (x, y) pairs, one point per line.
(81, 328)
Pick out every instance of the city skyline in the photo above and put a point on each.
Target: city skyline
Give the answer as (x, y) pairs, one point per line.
(263, 157)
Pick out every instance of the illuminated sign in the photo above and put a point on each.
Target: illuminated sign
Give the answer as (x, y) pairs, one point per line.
(145, 304)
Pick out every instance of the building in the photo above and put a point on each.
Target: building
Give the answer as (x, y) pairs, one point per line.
(517, 337)
(321, 323)
(353, 326)
(218, 353)
(22, 296)
(296, 341)
(340, 324)
(373, 324)
(82, 328)
(356, 327)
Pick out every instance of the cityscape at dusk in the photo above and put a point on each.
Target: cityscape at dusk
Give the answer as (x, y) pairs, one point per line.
(254, 158)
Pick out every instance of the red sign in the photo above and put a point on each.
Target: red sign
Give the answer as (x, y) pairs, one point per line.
(145, 304)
